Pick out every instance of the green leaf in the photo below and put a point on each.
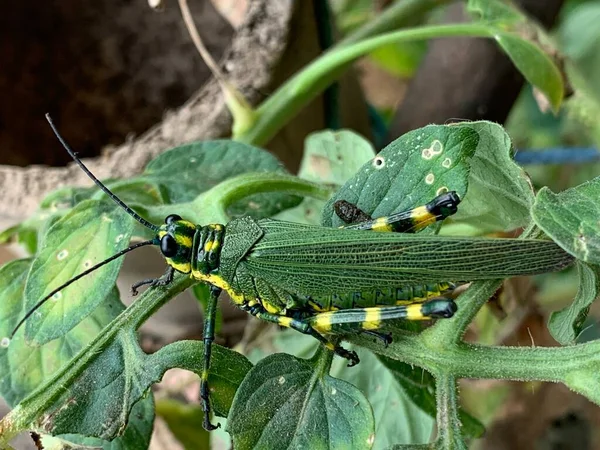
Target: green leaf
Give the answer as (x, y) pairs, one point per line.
(419, 386)
(499, 195)
(527, 45)
(571, 219)
(410, 171)
(330, 157)
(283, 396)
(398, 419)
(579, 36)
(567, 324)
(187, 171)
(88, 234)
(183, 420)
(136, 436)
(24, 367)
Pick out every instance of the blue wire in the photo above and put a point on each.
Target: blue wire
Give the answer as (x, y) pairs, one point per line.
(559, 155)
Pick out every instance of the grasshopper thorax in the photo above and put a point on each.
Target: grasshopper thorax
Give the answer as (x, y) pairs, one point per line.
(175, 239)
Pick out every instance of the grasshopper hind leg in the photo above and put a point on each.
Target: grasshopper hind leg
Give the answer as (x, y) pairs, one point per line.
(304, 327)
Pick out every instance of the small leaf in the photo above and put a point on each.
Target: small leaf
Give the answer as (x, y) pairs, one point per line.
(410, 171)
(571, 218)
(202, 165)
(567, 324)
(24, 367)
(88, 234)
(283, 403)
(330, 157)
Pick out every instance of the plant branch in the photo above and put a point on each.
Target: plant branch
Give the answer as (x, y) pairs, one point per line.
(448, 421)
(399, 14)
(287, 101)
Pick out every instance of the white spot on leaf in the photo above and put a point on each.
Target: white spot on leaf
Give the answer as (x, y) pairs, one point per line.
(333, 391)
(435, 149)
(442, 190)
(5, 342)
(119, 238)
(57, 296)
(62, 254)
(371, 440)
(87, 264)
(281, 380)
(447, 163)
(430, 178)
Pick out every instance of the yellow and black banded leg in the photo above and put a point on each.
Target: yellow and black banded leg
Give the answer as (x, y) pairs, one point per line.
(162, 281)
(305, 328)
(372, 318)
(209, 337)
(441, 207)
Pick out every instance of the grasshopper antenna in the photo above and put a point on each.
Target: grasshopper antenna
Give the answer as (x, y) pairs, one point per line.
(75, 278)
(108, 192)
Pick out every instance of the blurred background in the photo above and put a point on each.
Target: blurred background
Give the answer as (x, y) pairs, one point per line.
(109, 71)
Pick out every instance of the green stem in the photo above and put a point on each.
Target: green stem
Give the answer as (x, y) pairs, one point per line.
(556, 364)
(398, 15)
(32, 408)
(291, 97)
(448, 421)
(445, 332)
(237, 188)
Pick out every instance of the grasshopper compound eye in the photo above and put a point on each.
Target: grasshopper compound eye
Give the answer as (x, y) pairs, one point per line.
(172, 218)
(168, 246)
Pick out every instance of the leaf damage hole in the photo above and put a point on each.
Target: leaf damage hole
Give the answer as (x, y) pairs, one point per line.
(442, 190)
(430, 178)
(62, 254)
(447, 163)
(379, 162)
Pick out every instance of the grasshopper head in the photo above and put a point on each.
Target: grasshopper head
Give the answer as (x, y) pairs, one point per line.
(175, 238)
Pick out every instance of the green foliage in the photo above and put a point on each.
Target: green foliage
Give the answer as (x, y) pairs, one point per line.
(78, 373)
(305, 405)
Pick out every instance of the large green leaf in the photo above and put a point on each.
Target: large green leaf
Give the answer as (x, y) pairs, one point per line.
(284, 403)
(90, 233)
(410, 171)
(330, 157)
(25, 367)
(566, 325)
(571, 219)
(187, 171)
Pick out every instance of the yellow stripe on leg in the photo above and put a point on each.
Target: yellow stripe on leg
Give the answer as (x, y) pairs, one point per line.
(413, 312)
(322, 323)
(421, 217)
(381, 224)
(372, 319)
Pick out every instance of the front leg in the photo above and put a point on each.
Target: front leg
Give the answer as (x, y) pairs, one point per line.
(209, 337)
(166, 279)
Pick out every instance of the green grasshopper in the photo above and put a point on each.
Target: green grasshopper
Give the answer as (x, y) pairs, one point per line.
(325, 281)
